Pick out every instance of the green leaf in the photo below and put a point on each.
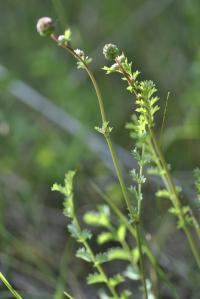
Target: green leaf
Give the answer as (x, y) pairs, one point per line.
(116, 279)
(67, 190)
(84, 254)
(125, 294)
(94, 278)
(103, 295)
(68, 34)
(98, 218)
(105, 129)
(121, 232)
(163, 193)
(101, 258)
(131, 273)
(85, 235)
(105, 237)
(117, 253)
(74, 230)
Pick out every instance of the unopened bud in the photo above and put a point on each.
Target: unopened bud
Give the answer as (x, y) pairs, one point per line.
(61, 40)
(45, 26)
(110, 51)
(79, 52)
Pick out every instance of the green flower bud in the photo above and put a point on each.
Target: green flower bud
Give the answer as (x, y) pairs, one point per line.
(45, 26)
(110, 51)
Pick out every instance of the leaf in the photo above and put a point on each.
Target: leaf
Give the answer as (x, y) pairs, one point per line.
(125, 294)
(98, 218)
(105, 237)
(83, 254)
(121, 232)
(117, 253)
(132, 273)
(101, 258)
(67, 190)
(85, 235)
(67, 34)
(163, 193)
(116, 279)
(74, 230)
(103, 295)
(95, 278)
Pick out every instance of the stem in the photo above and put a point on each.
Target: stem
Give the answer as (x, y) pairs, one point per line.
(138, 226)
(168, 179)
(132, 231)
(175, 199)
(119, 174)
(101, 271)
(8, 285)
(98, 266)
(109, 142)
(141, 260)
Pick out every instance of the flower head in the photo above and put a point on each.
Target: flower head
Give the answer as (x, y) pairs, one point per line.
(110, 51)
(79, 52)
(45, 26)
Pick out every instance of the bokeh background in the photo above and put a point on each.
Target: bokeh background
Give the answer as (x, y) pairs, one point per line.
(48, 109)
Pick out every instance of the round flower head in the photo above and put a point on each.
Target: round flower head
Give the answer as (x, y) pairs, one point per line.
(79, 52)
(45, 26)
(110, 51)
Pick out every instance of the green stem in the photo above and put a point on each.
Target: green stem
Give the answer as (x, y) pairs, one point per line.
(170, 184)
(101, 271)
(132, 231)
(141, 260)
(107, 136)
(98, 266)
(8, 285)
(175, 199)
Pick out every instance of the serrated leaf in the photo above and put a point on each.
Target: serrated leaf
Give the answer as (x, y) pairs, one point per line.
(74, 230)
(84, 254)
(85, 235)
(116, 279)
(94, 278)
(101, 258)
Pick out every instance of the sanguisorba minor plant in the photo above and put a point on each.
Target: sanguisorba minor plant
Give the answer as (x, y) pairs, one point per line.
(147, 152)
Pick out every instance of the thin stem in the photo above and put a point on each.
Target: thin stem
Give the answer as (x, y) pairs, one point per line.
(8, 285)
(98, 266)
(107, 137)
(119, 174)
(101, 271)
(141, 260)
(132, 231)
(170, 184)
(175, 199)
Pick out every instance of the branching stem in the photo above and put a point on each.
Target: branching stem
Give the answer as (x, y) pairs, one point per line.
(167, 176)
(112, 150)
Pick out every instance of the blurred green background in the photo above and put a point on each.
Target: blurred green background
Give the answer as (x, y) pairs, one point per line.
(162, 38)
